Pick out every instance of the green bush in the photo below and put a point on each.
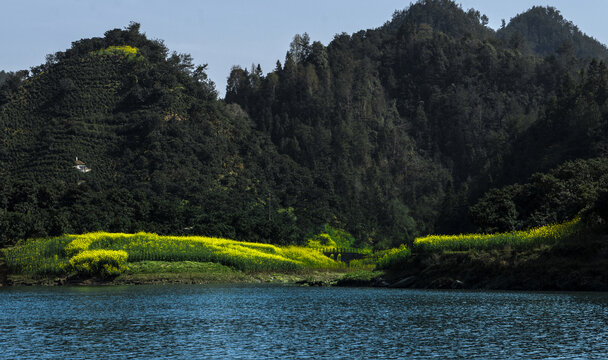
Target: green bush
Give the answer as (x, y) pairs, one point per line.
(331, 237)
(393, 257)
(103, 263)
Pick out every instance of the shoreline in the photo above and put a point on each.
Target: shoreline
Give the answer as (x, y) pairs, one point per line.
(389, 281)
(431, 278)
(576, 265)
(311, 277)
(582, 269)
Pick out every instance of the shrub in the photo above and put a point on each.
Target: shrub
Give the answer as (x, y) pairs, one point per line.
(103, 263)
(393, 257)
(331, 237)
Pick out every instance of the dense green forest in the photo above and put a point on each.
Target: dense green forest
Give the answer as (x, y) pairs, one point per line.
(543, 30)
(423, 125)
(3, 76)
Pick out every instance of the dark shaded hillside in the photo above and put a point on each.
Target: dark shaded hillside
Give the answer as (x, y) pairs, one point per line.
(576, 265)
(426, 113)
(575, 188)
(444, 16)
(164, 154)
(414, 115)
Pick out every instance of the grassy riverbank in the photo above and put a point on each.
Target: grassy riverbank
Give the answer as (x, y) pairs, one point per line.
(565, 256)
(187, 272)
(144, 258)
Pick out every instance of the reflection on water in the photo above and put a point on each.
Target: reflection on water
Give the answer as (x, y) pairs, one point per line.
(245, 322)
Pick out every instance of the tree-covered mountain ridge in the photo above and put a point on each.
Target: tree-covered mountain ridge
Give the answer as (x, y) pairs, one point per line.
(545, 31)
(387, 133)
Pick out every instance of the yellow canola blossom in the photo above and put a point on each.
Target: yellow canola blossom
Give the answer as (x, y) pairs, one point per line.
(543, 235)
(127, 51)
(104, 263)
(246, 256)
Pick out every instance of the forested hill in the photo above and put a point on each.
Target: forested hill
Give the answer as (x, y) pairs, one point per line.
(387, 133)
(418, 118)
(544, 31)
(164, 154)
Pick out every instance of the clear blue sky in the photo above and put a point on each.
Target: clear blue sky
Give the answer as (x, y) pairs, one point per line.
(230, 32)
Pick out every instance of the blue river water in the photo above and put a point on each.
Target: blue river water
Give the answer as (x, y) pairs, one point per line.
(272, 322)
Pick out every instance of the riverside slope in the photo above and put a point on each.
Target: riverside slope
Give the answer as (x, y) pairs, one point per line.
(573, 267)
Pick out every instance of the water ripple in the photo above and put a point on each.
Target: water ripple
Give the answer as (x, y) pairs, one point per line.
(252, 322)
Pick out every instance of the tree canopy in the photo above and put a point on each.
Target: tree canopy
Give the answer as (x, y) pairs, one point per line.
(387, 133)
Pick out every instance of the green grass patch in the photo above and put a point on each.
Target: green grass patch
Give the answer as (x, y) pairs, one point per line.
(38, 256)
(158, 272)
(362, 275)
(177, 267)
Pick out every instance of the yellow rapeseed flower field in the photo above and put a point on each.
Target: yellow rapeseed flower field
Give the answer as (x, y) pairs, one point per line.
(517, 240)
(52, 255)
